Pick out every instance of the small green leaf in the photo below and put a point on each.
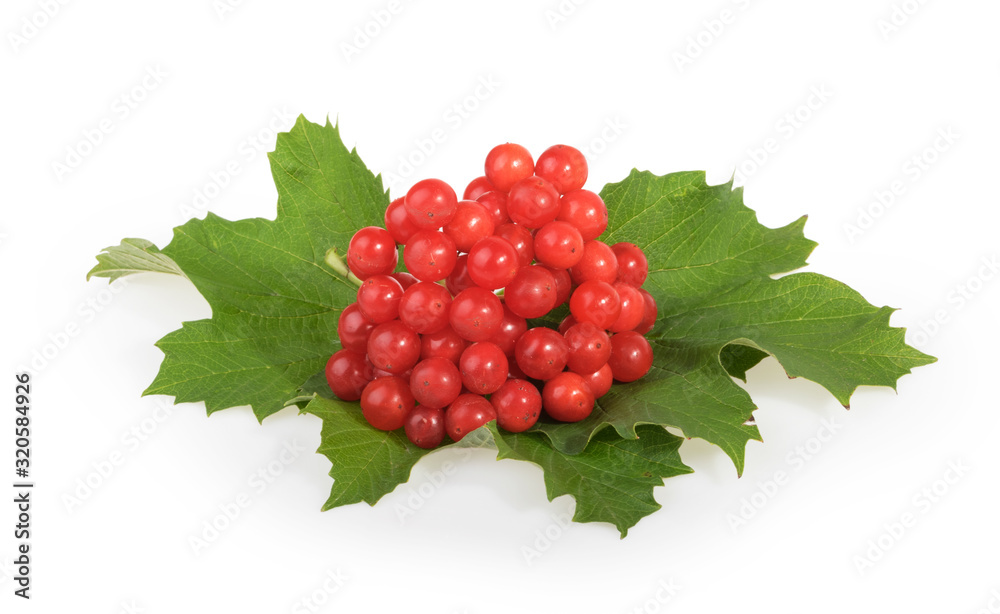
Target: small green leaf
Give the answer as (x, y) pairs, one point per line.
(612, 480)
(133, 256)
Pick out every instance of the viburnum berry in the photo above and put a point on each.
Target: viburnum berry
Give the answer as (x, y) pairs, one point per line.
(476, 314)
(541, 353)
(495, 204)
(558, 245)
(430, 204)
(459, 279)
(397, 222)
(631, 356)
(484, 367)
(648, 314)
(599, 381)
(598, 264)
(517, 404)
(595, 302)
(424, 307)
(372, 251)
(563, 166)
(533, 202)
(522, 240)
(493, 263)
(564, 284)
(353, 329)
(586, 211)
(532, 292)
(471, 223)
(477, 187)
(589, 348)
(444, 343)
(424, 427)
(430, 255)
(467, 413)
(405, 279)
(632, 264)
(386, 402)
(566, 324)
(507, 164)
(512, 326)
(633, 307)
(435, 382)
(348, 373)
(378, 298)
(567, 397)
(393, 347)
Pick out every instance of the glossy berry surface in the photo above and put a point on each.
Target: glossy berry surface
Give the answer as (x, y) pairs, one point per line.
(424, 427)
(397, 222)
(563, 166)
(484, 367)
(386, 402)
(393, 347)
(476, 314)
(348, 373)
(467, 413)
(595, 302)
(471, 223)
(589, 347)
(430, 204)
(435, 382)
(378, 298)
(598, 264)
(518, 404)
(492, 263)
(353, 329)
(631, 356)
(430, 255)
(507, 164)
(586, 211)
(541, 353)
(533, 202)
(567, 397)
(532, 292)
(424, 307)
(372, 251)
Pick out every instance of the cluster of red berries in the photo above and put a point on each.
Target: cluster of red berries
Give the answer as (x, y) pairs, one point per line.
(437, 350)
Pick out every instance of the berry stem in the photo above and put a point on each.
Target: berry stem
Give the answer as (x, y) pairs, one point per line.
(335, 262)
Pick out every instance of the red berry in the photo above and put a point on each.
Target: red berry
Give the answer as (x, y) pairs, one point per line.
(495, 204)
(477, 187)
(589, 348)
(507, 164)
(435, 382)
(484, 367)
(467, 413)
(430, 204)
(493, 262)
(512, 326)
(599, 381)
(558, 245)
(372, 251)
(520, 237)
(595, 302)
(567, 397)
(353, 329)
(533, 202)
(632, 307)
(562, 166)
(564, 285)
(598, 264)
(444, 343)
(378, 298)
(517, 404)
(566, 323)
(348, 373)
(476, 314)
(585, 210)
(424, 427)
(424, 307)
(393, 347)
(631, 356)
(632, 264)
(532, 292)
(397, 222)
(541, 353)
(648, 313)
(459, 278)
(405, 279)
(430, 255)
(386, 402)
(471, 223)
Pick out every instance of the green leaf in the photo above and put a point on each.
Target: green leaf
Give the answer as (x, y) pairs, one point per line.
(721, 312)
(133, 256)
(275, 303)
(612, 480)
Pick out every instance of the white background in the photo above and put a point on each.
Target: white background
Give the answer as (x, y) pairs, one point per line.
(609, 77)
